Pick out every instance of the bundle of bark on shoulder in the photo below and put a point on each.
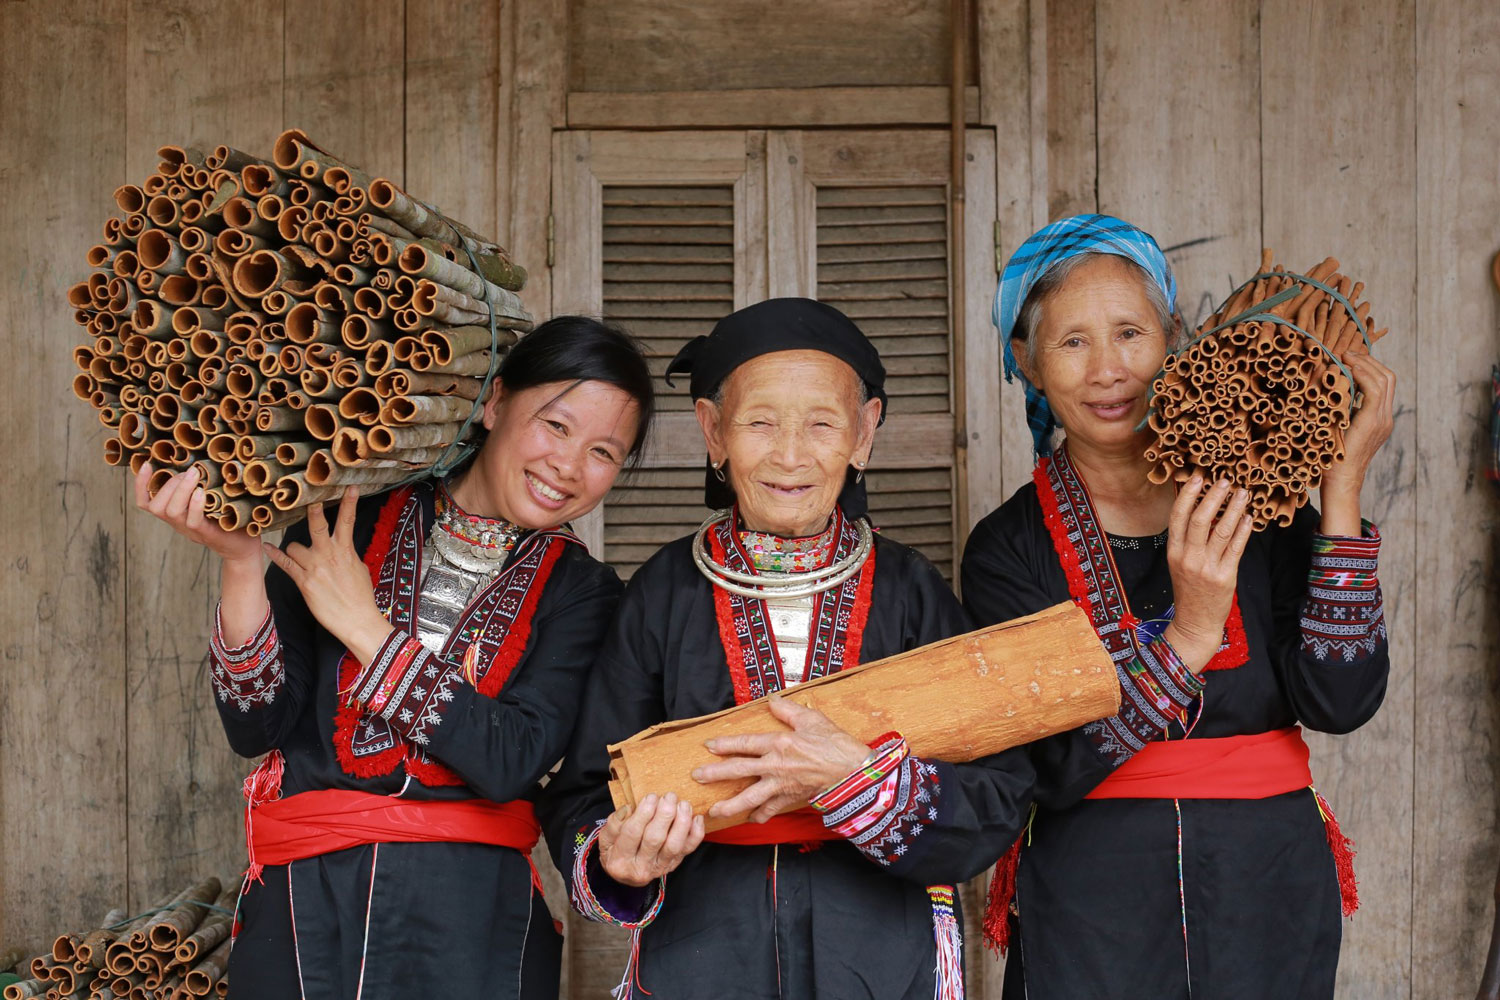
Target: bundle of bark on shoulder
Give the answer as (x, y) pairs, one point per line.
(955, 700)
(175, 949)
(288, 326)
(1261, 396)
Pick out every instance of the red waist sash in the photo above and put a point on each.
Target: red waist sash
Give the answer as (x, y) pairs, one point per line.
(1230, 767)
(798, 827)
(318, 822)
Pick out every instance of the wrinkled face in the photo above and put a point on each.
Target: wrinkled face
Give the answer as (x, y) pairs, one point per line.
(1099, 345)
(790, 425)
(553, 451)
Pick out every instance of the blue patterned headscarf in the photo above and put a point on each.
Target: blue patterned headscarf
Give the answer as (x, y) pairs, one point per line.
(1056, 242)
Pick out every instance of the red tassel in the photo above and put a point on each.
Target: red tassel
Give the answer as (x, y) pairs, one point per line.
(1343, 857)
(997, 906)
(262, 785)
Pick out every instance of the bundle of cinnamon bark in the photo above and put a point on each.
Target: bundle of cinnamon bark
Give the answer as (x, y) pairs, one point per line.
(289, 326)
(1261, 396)
(177, 949)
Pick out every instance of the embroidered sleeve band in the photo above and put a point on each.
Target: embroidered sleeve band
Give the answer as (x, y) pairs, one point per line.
(1343, 618)
(1162, 687)
(600, 898)
(408, 686)
(885, 805)
(1156, 689)
(251, 675)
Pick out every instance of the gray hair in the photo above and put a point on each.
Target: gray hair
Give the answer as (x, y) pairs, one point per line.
(1057, 275)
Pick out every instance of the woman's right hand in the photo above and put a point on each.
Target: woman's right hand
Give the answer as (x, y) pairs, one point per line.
(1203, 555)
(180, 503)
(638, 846)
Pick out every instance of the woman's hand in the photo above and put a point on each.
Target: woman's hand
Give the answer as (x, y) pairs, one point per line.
(1203, 555)
(638, 846)
(180, 503)
(1370, 430)
(334, 581)
(791, 767)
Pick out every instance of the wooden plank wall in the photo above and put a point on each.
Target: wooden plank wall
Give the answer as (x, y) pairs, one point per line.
(1367, 128)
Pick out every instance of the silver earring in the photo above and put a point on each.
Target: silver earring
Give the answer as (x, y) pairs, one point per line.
(718, 470)
(859, 475)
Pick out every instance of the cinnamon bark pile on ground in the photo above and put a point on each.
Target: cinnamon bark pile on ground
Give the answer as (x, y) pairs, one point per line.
(177, 949)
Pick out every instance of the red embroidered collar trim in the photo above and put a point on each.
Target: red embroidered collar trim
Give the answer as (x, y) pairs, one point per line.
(1093, 580)
(839, 617)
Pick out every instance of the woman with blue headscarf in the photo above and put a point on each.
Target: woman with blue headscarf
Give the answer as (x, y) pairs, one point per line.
(1177, 848)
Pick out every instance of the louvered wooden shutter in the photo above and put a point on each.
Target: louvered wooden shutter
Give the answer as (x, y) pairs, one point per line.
(655, 232)
(882, 258)
(668, 268)
(668, 271)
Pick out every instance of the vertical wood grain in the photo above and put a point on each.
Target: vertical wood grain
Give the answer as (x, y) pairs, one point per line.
(184, 780)
(1338, 160)
(452, 118)
(1009, 61)
(1458, 338)
(1182, 161)
(345, 68)
(982, 350)
(62, 607)
(538, 105)
(1072, 145)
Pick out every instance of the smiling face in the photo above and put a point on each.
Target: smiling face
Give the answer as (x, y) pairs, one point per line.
(790, 424)
(552, 452)
(1099, 344)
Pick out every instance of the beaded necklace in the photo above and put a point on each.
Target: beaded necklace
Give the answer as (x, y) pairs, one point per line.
(478, 544)
(773, 554)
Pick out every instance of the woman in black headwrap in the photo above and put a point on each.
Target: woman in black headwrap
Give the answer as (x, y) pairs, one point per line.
(789, 394)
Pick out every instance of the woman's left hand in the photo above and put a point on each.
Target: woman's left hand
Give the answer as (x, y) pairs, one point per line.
(1370, 430)
(791, 767)
(334, 581)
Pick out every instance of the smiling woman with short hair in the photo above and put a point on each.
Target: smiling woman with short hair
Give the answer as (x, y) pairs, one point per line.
(852, 897)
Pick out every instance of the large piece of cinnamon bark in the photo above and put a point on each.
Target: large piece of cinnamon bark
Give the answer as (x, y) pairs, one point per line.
(954, 700)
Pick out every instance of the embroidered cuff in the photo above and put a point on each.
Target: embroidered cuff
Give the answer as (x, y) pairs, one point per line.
(1161, 687)
(250, 675)
(850, 805)
(407, 686)
(600, 898)
(1156, 690)
(884, 806)
(377, 682)
(1343, 617)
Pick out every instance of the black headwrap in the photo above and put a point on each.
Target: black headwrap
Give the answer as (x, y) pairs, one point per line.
(767, 327)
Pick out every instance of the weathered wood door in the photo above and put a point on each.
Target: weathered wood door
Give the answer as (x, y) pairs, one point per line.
(665, 232)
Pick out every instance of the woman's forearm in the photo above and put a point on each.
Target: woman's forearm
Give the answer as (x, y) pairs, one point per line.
(1341, 517)
(243, 604)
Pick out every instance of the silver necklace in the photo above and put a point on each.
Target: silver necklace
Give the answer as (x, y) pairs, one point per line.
(780, 585)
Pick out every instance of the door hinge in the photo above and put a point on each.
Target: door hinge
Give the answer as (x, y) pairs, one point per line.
(999, 254)
(551, 240)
